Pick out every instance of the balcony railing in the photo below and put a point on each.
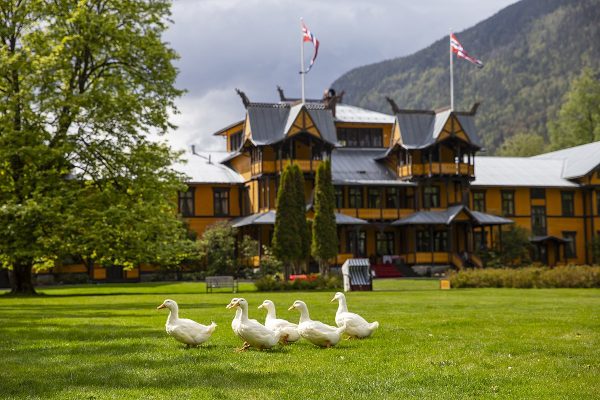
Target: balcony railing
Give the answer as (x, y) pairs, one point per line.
(270, 167)
(436, 169)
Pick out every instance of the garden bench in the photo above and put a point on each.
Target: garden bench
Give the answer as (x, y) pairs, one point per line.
(213, 282)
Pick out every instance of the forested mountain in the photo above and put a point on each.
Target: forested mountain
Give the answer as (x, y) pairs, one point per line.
(531, 51)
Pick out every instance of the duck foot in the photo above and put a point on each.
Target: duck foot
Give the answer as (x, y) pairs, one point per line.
(245, 347)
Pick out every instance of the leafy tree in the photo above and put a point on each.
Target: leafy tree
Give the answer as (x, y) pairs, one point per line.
(82, 85)
(218, 248)
(287, 242)
(578, 120)
(324, 229)
(514, 250)
(522, 145)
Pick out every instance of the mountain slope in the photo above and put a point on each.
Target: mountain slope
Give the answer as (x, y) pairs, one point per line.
(531, 50)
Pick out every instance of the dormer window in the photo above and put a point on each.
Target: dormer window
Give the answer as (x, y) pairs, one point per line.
(361, 137)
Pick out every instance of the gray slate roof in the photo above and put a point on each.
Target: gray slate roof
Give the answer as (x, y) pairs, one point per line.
(354, 166)
(519, 171)
(199, 170)
(268, 218)
(578, 160)
(420, 129)
(269, 122)
(446, 217)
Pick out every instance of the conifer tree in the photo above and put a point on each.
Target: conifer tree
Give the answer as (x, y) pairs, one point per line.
(300, 216)
(324, 231)
(286, 244)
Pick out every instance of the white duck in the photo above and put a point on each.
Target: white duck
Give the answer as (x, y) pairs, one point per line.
(185, 330)
(316, 332)
(235, 323)
(252, 332)
(356, 326)
(289, 331)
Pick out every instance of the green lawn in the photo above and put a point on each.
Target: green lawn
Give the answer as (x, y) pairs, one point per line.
(108, 342)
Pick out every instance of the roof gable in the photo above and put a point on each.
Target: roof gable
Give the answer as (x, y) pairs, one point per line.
(302, 122)
(578, 161)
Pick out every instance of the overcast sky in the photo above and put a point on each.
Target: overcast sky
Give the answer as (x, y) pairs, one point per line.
(254, 45)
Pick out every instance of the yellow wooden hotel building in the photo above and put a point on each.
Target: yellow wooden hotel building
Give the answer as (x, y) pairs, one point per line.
(410, 186)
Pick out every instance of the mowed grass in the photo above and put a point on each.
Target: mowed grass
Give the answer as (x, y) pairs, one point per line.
(108, 342)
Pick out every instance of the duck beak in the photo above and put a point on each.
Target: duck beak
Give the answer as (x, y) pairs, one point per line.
(291, 308)
(161, 306)
(261, 306)
(332, 300)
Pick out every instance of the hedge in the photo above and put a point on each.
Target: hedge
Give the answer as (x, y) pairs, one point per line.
(581, 276)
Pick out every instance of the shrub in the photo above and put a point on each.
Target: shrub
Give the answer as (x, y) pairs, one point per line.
(271, 283)
(581, 276)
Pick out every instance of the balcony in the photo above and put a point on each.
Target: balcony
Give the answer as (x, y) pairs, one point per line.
(271, 167)
(428, 169)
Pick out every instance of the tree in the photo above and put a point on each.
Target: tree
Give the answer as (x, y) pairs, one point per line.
(301, 221)
(578, 120)
(522, 145)
(324, 229)
(218, 248)
(82, 85)
(287, 243)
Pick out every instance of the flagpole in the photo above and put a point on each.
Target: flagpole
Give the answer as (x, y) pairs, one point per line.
(302, 59)
(451, 73)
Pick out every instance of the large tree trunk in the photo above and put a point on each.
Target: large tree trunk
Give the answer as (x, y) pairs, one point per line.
(21, 279)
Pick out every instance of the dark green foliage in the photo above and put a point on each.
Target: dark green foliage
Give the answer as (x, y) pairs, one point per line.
(286, 240)
(581, 276)
(300, 215)
(578, 120)
(515, 250)
(531, 50)
(269, 264)
(324, 229)
(218, 248)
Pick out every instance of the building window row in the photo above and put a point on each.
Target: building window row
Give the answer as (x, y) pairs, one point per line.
(361, 137)
(376, 197)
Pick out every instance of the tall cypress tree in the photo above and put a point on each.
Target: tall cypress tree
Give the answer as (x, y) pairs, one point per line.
(286, 241)
(324, 231)
(304, 235)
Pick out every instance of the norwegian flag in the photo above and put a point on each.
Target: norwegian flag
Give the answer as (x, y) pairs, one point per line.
(461, 53)
(307, 36)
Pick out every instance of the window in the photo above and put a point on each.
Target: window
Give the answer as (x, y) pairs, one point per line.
(431, 197)
(356, 243)
(221, 201)
(479, 201)
(568, 203)
(508, 202)
(440, 241)
(361, 137)
(355, 197)
(570, 246)
(423, 240)
(186, 203)
(538, 220)
(235, 141)
(392, 198)
(339, 197)
(374, 197)
(385, 243)
(538, 193)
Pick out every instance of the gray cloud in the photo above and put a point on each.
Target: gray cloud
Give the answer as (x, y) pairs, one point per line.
(255, 44)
